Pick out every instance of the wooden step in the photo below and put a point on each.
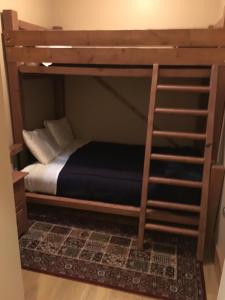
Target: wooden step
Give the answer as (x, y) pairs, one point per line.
(191, 112)
(172, 217)
(172, 229)
(178, 158)
(175, 182)
(173, 206)
(184, 88)
(176, 134)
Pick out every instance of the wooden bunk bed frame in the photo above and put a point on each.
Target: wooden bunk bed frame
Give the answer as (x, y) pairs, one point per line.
(128, 53)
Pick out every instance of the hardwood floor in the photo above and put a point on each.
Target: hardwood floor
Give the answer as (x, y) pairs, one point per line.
(44, 287)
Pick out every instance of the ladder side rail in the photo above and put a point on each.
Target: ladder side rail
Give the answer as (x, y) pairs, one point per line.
(148, 146)
(208, 162)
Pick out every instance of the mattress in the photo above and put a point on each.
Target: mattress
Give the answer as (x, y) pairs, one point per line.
(43, 178)
(112, 173)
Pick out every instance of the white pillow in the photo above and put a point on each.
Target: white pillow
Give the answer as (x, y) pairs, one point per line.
(41, 144)
(61, 131)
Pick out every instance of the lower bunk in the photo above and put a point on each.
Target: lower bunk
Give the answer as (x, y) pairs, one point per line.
(107, 178)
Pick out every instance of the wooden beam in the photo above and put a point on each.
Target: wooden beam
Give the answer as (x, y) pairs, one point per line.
(116, 72)
(10, 22)
(89, 71)
(118, 56)
(28, 26)
(174, 37)
(96, 206)
(220, 108)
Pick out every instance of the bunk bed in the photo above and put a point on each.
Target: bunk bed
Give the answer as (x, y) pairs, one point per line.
(153, 54)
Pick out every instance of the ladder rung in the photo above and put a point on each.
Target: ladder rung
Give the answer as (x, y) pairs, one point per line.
(192, 112)
(184, 88)
(175, 134)
(178, 158)
(172, 229)
(171, 217)
(173, 206)
(176, 182)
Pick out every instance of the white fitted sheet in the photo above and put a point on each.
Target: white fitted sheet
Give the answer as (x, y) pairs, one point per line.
(43, 178)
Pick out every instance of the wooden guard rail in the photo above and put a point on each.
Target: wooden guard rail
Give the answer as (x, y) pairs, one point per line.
(119, 38)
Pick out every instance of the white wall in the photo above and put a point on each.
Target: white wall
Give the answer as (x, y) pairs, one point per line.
(221, 295)
(11, 286)
(136, 14)
(11, 277)
(37, 12)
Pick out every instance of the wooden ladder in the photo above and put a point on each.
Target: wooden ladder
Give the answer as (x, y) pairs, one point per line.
(205, 161)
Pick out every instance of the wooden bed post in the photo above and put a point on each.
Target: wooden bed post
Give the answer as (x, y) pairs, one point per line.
(220, 107)
(10, 22)
(59, 95)
(215, 192)
(59, 90)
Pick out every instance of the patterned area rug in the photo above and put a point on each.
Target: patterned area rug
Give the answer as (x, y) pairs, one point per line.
(81, 247)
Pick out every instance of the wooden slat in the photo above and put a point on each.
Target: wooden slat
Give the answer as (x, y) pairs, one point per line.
(174, 37)
(183, 88)
(85, 71)
(178, 158)
(173, 206)
(119, 56)
(147, 160)
(176, 134)
(97, 206)
(192, 112)
(118, 72)
(109, 71)
(29, 26)
(171, 217)
(175, 182)
(172, 229)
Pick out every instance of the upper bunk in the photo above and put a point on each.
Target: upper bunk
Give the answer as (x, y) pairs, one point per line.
(111, 52)
(186, 53)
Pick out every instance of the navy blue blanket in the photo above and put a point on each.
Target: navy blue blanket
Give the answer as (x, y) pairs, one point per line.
(112, 173)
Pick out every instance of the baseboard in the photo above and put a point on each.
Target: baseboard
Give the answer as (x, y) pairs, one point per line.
(218, 263)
